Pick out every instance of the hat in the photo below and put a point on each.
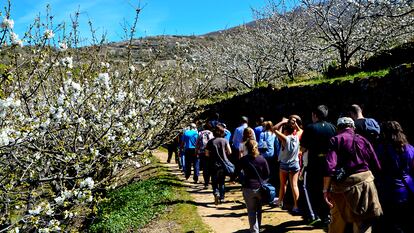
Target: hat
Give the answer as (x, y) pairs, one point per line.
(193, 126)
(244, 119)
(222, 124)
(345, 121)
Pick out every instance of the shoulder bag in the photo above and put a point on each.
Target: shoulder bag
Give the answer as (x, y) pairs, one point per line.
(268, 191)
(228, 166)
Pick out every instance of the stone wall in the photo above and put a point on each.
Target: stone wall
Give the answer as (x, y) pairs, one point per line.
(387, 98)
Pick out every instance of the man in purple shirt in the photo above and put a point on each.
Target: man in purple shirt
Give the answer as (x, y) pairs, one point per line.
(352, 197)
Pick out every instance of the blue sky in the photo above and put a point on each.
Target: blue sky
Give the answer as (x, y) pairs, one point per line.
(158, 17)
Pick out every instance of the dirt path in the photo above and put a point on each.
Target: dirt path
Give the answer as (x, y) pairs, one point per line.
(231, 216)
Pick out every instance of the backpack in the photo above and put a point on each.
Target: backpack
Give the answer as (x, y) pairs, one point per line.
(372, 127)
(203, 137)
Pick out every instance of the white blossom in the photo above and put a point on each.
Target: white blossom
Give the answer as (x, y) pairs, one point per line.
(7, 23)
(67, 62)
(132, 68)
(48, 34)
(120, 96)
(63, 46)
(35, 211)
(87, 183)
(103, 79)
(60, 200)
(152, 123)
(105, 64)
(15, 39)
(4, 138)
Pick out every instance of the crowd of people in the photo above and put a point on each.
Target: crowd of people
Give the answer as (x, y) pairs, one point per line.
(352, 176)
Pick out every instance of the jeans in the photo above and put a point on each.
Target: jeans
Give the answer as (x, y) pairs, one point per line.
(192, 159)
(173, 150)
(204, 163)
(217, 182)
(253, 199)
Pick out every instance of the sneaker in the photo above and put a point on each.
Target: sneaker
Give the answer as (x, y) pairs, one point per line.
(278, 203)
(216, 199)
(315, 222)
(221, 200)
(295, 211)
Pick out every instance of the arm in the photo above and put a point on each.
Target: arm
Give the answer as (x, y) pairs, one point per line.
(299, 131)
(278, 129)
(326, 191)
(228, 149)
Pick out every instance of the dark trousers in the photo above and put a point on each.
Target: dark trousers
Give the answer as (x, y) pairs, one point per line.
(191, 159)
(234, 159)
(315, 205)
(274, 171)
(204, 165)
(217, 182)
(173, 150)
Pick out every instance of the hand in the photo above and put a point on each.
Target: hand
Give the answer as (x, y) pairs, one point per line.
(328, 199)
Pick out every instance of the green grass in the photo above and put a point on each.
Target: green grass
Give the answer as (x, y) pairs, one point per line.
(217, 98)
(321, 79)
(161, 196)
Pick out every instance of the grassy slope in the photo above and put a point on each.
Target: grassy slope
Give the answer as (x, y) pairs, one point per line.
(160, 196)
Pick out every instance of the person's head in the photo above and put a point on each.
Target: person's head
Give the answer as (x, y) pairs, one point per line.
(223, 125)
(218, 131)
(244, 120)
(320, 113)
(193, 126)
(260, 121)
(267, 126)
(248, 133)
(345, 122)
(295, 119)
(392, 133)
(355, 111)
(252, 148)
(288, 128)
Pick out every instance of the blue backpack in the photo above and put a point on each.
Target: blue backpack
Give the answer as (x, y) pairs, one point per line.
(372, 128)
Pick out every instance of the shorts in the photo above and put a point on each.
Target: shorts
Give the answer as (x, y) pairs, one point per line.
(290, 167)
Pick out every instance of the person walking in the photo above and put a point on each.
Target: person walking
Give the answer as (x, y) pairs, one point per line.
(172, 148)
(348, 184)
(253, 165)
(288, 133)
(314, 146)
(267, 150)
(216, 152)
(188, 145)
(259, 128)
(236, 140)
(396, 188)
(366, 127)
(248, 134)
(203, 137)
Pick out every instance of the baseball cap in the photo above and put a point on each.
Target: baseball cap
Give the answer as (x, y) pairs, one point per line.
(345, 121)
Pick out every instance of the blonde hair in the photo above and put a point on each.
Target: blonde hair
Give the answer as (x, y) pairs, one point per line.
(248, 133)
(252, 147)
